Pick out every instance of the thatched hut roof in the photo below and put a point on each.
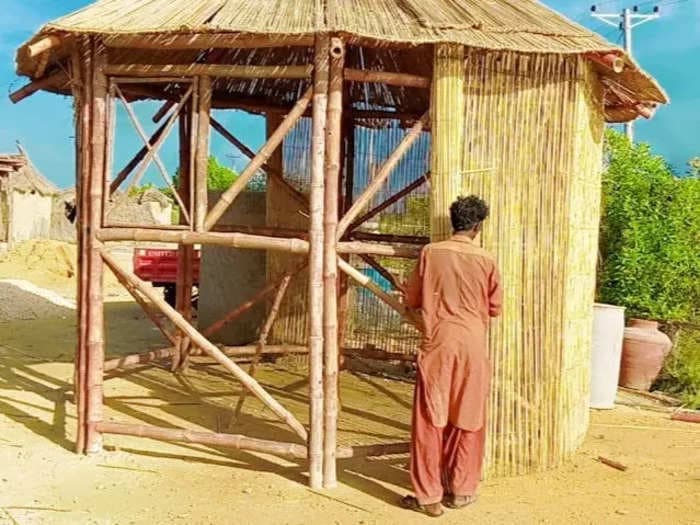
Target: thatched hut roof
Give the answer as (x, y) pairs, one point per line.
(154, 26)
(17, 173)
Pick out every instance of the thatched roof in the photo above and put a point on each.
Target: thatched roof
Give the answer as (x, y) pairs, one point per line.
(17, 173)
(524, 26)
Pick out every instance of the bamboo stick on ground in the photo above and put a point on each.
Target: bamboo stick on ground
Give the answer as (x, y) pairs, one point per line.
(236, 441)
(138, 359)
(199, 340)
(260, 159)
(318, 147)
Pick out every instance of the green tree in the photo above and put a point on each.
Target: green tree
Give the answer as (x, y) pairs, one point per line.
(650, 235)
(219, 177)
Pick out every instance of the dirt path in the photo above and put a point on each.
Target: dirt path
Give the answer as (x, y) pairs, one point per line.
(143, 481)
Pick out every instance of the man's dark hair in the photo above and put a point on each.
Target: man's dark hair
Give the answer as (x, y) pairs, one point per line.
(467, 212)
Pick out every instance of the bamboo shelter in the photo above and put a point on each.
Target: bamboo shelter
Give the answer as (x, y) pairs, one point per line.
(379, 113)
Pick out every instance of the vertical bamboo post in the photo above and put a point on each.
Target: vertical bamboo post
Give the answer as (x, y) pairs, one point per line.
(96, 174)
(185, 259)
(202, 152)
(318, 146)
(330, 265)
(81, 94)
(447, 119)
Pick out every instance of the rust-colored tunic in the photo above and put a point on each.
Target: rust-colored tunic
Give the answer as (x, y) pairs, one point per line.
(457, 287)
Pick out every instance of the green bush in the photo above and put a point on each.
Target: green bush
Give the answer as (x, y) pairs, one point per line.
(650, 235)
(681, 374)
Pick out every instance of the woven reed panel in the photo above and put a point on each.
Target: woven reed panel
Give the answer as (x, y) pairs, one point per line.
(533, 124)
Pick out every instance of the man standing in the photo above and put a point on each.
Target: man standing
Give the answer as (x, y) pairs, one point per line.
(456, 286)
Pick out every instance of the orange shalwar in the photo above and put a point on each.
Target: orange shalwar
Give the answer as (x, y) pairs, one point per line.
(456, 285)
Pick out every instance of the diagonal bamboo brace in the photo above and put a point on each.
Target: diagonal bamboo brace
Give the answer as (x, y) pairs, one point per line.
(199, 340)
(387, 168)
(260, 159)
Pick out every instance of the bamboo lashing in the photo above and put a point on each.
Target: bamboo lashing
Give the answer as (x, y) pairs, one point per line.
(260, 159)
(448, 136)
(211, 439)
(334, 122)
(211, 70)
(199, 340)
(378, 181)
(318, 147)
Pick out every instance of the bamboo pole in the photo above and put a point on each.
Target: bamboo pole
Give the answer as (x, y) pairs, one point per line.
(136, 160)
(334, 122)
(201, 155)
(274, 173)
(387, 77)
(260, 159)
(391, 200)
(262, 341)
(373, 287)
(387, 168)
(82, 95)
(265, 231)
(43, 45)
(212, 70)
(237, 441)
(199, 41)
(318, 147)
(199, 340)
(248, 304)
(137, 359)
(54, 80)
(389, 238)
(95, 330)
(381, 449)
(163, 110)
(404, 251)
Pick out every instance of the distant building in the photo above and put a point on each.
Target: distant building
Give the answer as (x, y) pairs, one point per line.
(26, 199)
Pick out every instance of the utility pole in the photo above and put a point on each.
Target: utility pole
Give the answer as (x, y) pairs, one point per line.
(626, 20)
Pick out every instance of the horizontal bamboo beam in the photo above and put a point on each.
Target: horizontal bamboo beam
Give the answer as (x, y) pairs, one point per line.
(137, 359)
(403, 251)
(265, 231)
(387, 77)
(232, 240)
(389, 238)
(610, 60)
(376, 114)
(43, 45)
(212, 70)
(204, 344)
(55, 80)
(373, 287)
(381, 449)
(212, 439)
(420, 181)
(208, 41)
(251, 350)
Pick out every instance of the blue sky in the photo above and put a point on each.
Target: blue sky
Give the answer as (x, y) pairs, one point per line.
(668, 48)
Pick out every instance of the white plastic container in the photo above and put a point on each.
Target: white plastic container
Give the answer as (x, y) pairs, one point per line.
(608, 331)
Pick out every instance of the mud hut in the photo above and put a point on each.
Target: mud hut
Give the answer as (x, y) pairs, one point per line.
(25, 200)
(365, 102)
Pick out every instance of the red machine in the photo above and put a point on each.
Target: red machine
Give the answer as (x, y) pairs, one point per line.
(159, 267)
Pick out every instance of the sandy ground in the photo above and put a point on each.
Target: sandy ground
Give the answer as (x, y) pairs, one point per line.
(142, 481)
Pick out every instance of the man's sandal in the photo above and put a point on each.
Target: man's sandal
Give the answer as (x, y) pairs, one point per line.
(434, 510)
(459, 502)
